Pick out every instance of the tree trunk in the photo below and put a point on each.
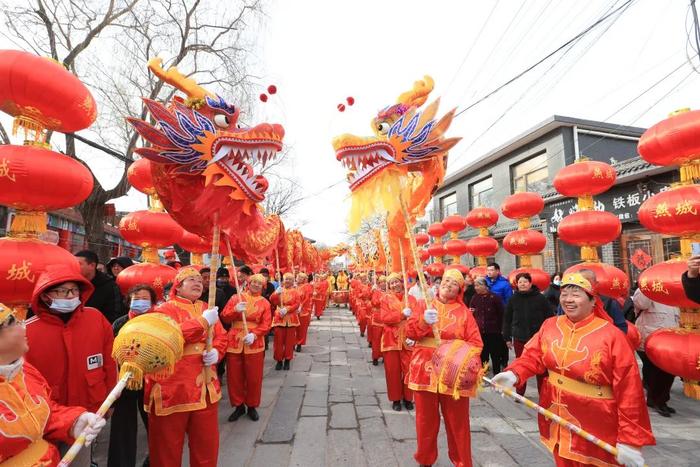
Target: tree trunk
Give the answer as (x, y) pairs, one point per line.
(92, 210)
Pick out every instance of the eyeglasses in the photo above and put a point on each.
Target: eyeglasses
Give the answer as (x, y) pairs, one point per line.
(62, 292)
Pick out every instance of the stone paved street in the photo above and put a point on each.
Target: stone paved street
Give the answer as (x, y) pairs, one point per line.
(331, 409)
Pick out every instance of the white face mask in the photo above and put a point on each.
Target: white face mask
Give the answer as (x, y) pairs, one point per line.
(556, 282)
(65, 305)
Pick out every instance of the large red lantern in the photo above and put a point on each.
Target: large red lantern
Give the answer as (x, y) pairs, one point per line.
(482, 246)
(673, 141)
(524, 242)
(436, 269)
(590, 228)
(454, 223)
(154, 275)
(673, 212)
(677, 351)
(43, 94)
(480, 218)
(522, 205)
(585, 178)
(140, 176)
(662, 283)
(610, 280)
(422, 239)
(478, 271)
(196, 246)
(456, 248)
(437, 250)
(150, 229)
(539, 277)
(459, 267)
(437, 230)
(423, 255)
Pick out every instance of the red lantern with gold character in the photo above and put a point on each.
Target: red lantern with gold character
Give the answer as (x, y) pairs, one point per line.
(196, 246)
(590, 228)
(662, 283)
(585, 178)
(522, 205)
(539, 277)
(140, 176)
(673, 212)
(154, 275)
(480, 218)
(674, 141)
(482, 246)
(610, 280)
(435, 269)
(677, 351)
(149, 229)
(524, 242)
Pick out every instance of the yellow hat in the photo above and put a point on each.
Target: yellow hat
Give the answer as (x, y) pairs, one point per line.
(394, 276)
(5, 314)
(578, 280)
(288, 275)
(381, 278)
(454, 275)
(185, 273)
(257, 277)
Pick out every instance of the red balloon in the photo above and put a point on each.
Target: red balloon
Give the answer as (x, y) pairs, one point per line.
(263, 97)
(590, 228)
(673, 212)
(585, 178)
(31, 183)
(482, 217)
(21, 263)
(454, 223)
(272, 89)
(539, 277)
(673, 141)
(482, 246)
(675, 351)
(341, 107)
(150, 229)
(435, 269)
(140, 176)
(40, 89)
(610, 280)
(662, 283)
(436, 230)
(524, 242)
(153, 275)
(456, 247)
(422, 239)
(522, 205)
(350, 100)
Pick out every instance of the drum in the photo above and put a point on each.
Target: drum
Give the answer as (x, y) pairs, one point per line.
(340, 297)
(457, 368)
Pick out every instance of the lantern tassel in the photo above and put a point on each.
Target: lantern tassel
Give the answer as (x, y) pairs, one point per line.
(589, 254)
(150, 255)
(28, 224)
(692, 389)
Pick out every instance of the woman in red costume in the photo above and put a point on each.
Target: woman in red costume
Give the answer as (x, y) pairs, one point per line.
(593, 382)
(285, 320)
(453, 321)
(395, 309)
(319, 296)
(187, 401)
(306, 291)
(375, 324)
(245, 354)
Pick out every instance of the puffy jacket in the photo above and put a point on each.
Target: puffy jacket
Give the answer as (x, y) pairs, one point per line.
(74, 356)
(488, 312)
(501, 288)
(525, 313)
(653, 316)
(106, 298)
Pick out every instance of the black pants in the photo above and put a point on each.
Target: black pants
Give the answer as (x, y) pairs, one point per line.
(657, 381)
(495, 348)
(123, 431)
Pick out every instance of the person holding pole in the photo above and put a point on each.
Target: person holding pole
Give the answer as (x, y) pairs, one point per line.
(285, 321)
(187, 401)
(593, 383)
(306, 291)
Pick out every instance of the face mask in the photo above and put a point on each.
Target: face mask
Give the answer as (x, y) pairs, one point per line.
(139, 306)
(557, 282)
(65, 305)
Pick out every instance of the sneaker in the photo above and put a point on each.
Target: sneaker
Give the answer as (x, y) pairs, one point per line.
(278, 366)
(408, 405)
(375, 362)
(286, 364)
(240, 411)
(396, 405)
(253, 414)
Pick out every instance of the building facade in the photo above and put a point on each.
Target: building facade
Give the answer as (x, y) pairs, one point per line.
(530, 161)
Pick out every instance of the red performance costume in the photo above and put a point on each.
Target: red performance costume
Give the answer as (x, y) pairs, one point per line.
(187, 401)
(285, 327)
(593, 382)
(355, 286)
(454, 322)
(364, 306)
(375, 323)
(319, 296)
(397, 355)
(306, 292)
(244, 363)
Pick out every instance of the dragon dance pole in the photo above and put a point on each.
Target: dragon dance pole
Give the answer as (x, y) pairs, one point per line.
(405, 276)
(214, 266)
(238, 286)
(277, 263)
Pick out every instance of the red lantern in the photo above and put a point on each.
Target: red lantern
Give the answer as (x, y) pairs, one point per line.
(456, 247)
(524, 242)
(437, 230)
(454, 223)
(44, 92)
(423, 255)
(673, 141)
(194, 243)
(150, 229)
(482, 246)
(436, 269)
(585, 178)
(21, 263)
(422, 239)
(673, 212)
(662, 283)
(539, 277)
(522, 205)
(676, 351)
(482, 217)
(437, 250)
(154, 275)
(29, 178)
(610, 280)
(460, 267)
(478, 271)
(140, 177)
(590, 228)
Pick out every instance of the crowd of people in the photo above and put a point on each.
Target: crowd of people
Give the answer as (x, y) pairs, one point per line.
(574, 341)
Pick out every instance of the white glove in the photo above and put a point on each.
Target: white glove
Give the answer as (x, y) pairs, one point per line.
(430, 316)
(407, 312)
(507, 379)
(629, 456)
(90, 423)
(278, 289)
(240, 307)
(211, 357)
(282, 311)
(409, 342)
(211, 315)
(249, 338)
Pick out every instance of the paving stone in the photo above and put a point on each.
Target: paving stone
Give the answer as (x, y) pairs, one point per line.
(310, 411)
(401, 424)
(365, 400)
(295, 379)
(309, 443)
(343, 449)
(368, 411)
(376, 443)
(316, 398)
(343, 416)
(339, 397)
(282, 424)
(268, 455)
(487, 451)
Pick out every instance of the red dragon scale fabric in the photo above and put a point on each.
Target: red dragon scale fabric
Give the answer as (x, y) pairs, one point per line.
(204, 164)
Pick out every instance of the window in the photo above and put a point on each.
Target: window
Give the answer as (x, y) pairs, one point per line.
(448, 205)
(531, 175)
(480, 193)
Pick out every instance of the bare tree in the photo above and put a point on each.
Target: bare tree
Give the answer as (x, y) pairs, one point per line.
(107, 43)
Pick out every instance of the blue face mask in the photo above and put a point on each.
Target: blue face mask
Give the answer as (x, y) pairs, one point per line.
(65, 305)
(139, 306)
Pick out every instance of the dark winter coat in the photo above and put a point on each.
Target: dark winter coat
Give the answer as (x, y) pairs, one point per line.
(488, 312)
(552, 295)
(107, 297)
(691, 287)
(525, 313)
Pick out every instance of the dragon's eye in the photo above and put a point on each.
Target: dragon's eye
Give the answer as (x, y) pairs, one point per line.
(221, 121)
(383, 128)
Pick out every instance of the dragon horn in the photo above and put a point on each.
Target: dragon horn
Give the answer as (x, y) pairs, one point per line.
(176, 79)
(419, 94)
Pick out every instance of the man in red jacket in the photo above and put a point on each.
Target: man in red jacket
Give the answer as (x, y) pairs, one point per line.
(70, 344)
(306, 292)
(29, 419)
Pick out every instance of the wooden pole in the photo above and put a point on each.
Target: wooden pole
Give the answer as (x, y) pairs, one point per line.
(277, 263)
(405, 276)
(238, 286)
(213, 267)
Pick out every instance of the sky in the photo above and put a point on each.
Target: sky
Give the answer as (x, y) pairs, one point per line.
(318, 53)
